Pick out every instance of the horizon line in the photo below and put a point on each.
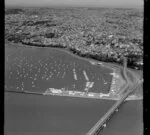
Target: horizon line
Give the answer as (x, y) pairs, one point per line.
(71, 6)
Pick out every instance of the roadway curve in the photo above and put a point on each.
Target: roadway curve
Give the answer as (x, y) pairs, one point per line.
(131, 78)
(130, 88)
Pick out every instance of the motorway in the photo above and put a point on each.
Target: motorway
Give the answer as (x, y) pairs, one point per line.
(129, 89)
(100, 124)
(27, 72)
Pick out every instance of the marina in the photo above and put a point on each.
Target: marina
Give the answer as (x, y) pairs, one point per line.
(52, 93)
(37, 69)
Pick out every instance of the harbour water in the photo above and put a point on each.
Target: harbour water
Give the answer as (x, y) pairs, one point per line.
(37, 69)
(51, 115)
(127, 121)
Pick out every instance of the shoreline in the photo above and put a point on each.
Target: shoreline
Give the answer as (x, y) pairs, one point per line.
(116, 69)
(93, 61)
(130, 98)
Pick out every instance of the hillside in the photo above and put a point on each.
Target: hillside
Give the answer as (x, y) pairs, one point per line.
(103, 34)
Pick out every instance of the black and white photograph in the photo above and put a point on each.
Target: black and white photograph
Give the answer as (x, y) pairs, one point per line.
(73, 67)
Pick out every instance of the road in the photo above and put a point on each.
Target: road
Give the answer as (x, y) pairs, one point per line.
(129, 89)
(100, 124)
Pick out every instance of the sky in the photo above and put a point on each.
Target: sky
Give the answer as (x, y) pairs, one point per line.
(82, 3)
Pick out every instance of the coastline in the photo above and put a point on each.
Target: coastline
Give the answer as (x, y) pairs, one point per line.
(119, 83)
